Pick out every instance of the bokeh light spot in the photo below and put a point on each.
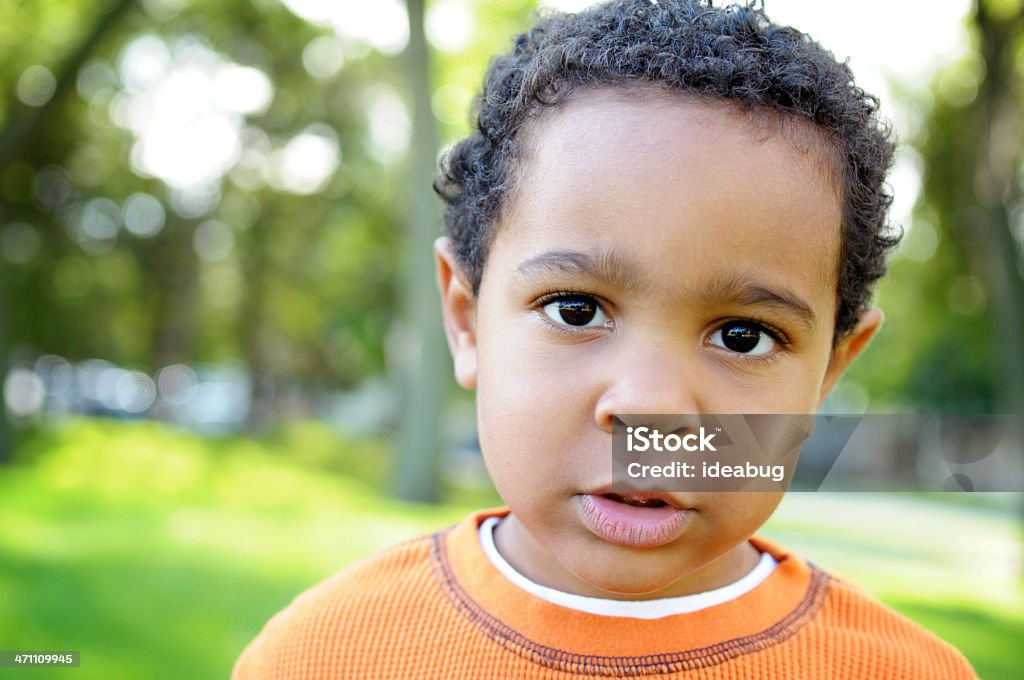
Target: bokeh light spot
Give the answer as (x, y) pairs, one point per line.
(134, 391)
(213, 240)
(36, 85)
(390, 125)
(450, 25)
(323, 57)
(144, 215)
(20, 242)
(176, 384)
(24, 392)
(308, 160)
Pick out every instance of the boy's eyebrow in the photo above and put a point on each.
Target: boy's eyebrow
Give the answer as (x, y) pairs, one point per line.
(601, 265)
(743, 291)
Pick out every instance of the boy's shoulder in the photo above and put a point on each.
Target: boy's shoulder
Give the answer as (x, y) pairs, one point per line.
(888, 639)
(884, 640)
(362, 610)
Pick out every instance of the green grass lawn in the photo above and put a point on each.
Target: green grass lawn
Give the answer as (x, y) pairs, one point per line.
(159, 554)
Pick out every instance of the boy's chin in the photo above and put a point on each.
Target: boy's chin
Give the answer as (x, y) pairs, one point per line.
(670, 571)
(629, 580)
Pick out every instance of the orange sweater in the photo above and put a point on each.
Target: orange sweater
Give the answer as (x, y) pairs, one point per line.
(436, 607)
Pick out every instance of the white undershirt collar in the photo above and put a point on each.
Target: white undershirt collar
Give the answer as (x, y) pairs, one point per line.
(637, 609)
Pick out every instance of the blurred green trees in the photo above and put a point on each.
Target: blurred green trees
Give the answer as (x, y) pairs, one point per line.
(972, 151)
(248, 254)
(200, 181)
(955, 296)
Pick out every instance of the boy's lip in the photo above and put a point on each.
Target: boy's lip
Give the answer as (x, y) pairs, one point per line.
(632, 526)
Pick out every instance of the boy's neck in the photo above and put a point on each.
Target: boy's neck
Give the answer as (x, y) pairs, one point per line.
(521, 550)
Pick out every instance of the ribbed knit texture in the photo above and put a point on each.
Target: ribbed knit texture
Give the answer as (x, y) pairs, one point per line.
(435, 607)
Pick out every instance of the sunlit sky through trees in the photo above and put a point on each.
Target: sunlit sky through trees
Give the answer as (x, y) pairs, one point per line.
(192, 141)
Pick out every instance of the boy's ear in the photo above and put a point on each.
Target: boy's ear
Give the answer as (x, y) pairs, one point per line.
(458, 306)
(849, 347)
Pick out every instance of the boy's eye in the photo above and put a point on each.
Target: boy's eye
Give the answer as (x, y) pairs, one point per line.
(575, 310)
(744, 337)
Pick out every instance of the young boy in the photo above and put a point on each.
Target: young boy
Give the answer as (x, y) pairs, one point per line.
(667, 208)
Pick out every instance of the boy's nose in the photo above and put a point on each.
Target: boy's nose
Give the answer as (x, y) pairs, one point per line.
(652, 381)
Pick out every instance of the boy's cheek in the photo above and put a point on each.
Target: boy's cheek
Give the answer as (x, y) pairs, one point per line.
(536, 424)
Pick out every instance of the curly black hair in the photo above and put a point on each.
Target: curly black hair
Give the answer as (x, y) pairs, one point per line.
(732, 54)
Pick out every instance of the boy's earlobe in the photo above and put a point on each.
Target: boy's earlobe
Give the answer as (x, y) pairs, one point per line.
(849, 348)
(458, 305)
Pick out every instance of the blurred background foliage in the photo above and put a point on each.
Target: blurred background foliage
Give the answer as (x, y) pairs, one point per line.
(954, 340)
(206, 320)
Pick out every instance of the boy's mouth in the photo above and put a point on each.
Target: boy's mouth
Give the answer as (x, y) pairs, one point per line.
(634, 520)
(637, 501)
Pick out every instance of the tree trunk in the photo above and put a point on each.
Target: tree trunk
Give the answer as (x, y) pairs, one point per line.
(996, 190)
(6, 432)
(422, 361)
(256, 266)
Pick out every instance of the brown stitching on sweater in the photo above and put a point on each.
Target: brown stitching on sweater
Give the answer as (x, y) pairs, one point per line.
(621, 666)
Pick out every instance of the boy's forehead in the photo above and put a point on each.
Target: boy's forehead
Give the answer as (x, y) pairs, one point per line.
(676, 175)
(645, 119)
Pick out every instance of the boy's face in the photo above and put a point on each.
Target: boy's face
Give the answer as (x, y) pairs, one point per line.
(659, 255)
